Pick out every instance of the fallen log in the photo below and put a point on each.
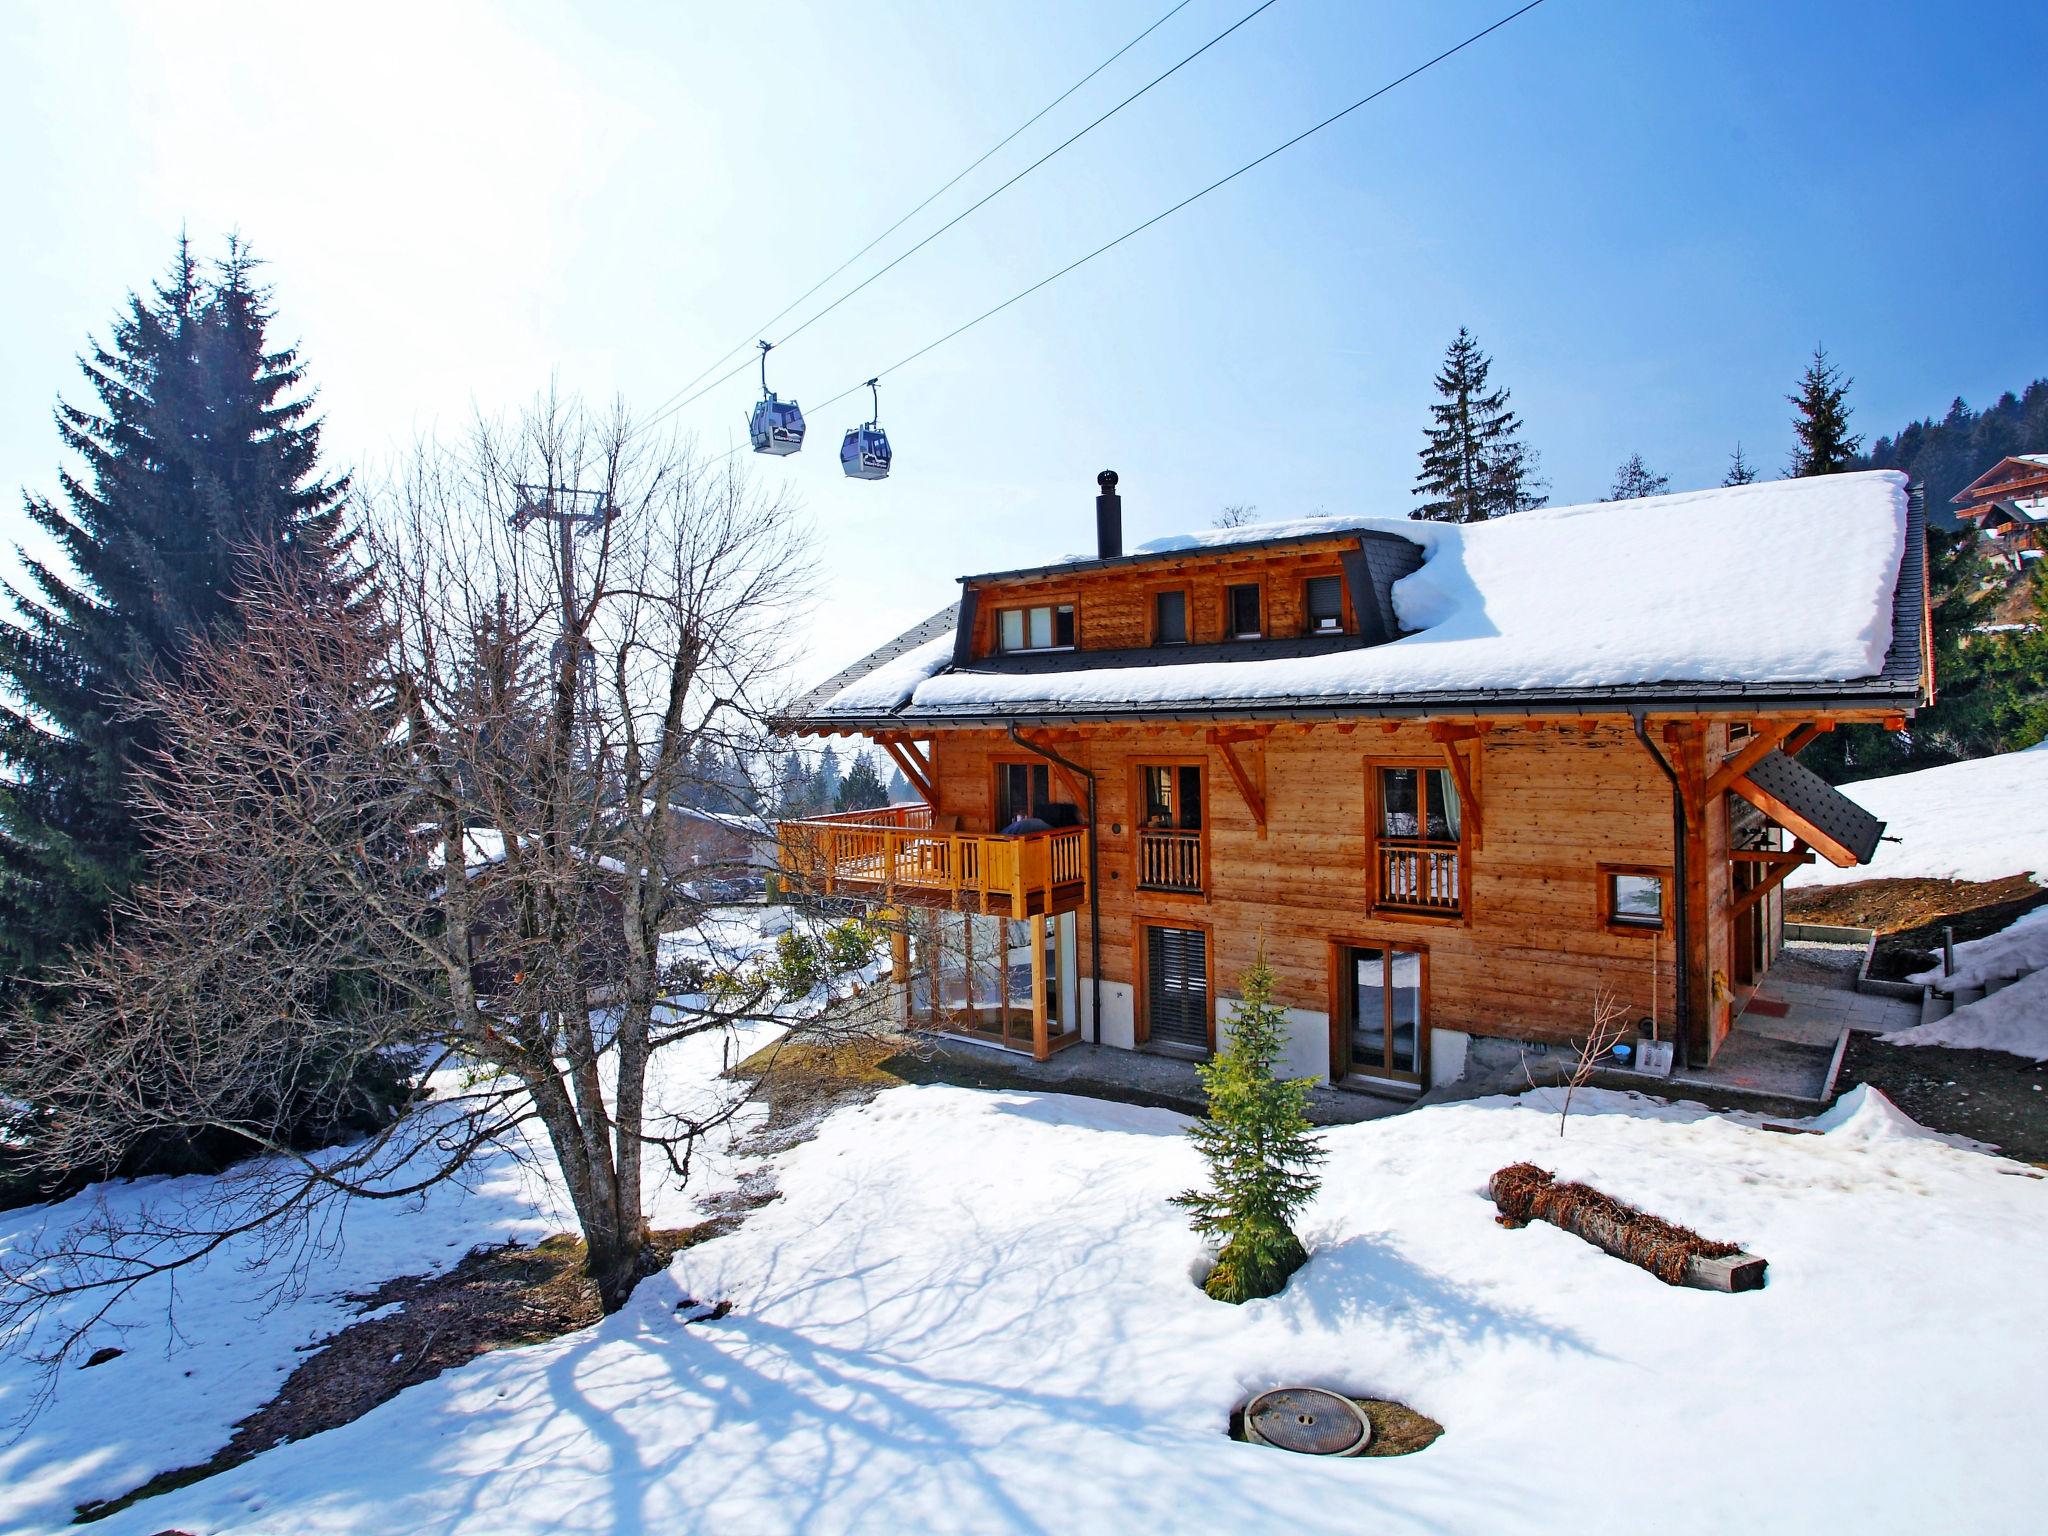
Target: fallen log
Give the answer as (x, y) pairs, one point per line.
(1674, 1254)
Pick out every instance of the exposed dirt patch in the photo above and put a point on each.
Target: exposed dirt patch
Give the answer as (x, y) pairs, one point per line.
(496, 1298)
(1983, 1094)
(1526, 1193)
(1397, 1429)
(1910, 914)
(499, 1298)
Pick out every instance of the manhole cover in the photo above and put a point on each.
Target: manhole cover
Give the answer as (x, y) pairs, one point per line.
(1308, 1420)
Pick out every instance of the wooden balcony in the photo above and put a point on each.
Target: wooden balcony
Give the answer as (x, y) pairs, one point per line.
(1169, 860)
(1416, 875)
(896, 855)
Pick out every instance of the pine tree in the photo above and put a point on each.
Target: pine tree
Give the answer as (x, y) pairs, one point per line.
(1260, 1151)
(862, 788)
(825, 778)
(201, 463)
(1821, 421)
(1740, 470)
(1635, 479)
(900, 792)
(1474, 464)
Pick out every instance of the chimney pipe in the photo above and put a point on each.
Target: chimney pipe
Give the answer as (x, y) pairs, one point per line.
(1109, 517)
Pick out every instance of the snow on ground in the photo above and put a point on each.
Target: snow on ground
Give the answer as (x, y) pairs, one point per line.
(1983, 819)
(1653, 590)
(975, 1312)
(189, 1374)
(2013, 1019)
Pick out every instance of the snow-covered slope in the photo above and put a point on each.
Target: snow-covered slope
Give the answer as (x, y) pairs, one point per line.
(1980, 820)
(975, 1312)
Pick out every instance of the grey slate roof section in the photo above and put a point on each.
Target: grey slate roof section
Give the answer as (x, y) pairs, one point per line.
(1803, 790)
(1337, 530)
(1064, 663)
(807, 707)
(1897, 686)
(1370, 572)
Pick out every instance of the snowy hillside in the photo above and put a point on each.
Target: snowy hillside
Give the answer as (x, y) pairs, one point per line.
(975, 1312)
(1980, 820)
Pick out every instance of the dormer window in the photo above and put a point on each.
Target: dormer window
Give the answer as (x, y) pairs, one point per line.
(1323, 602)
(1245, 611)
(1048, 627)
(1170, 618)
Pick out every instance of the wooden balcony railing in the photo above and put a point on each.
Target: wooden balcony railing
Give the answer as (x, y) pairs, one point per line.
(1419, 876)
(896, 855)
(1169, 860)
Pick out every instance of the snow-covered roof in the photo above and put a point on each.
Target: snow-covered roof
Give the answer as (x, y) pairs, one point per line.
(1777, 589)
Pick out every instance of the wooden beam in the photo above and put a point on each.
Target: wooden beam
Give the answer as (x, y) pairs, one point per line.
(1764, 856)
(1799, 855)
(1066, 777)
(1835, 853)
(1468, 794)
(913, 771)
(1805, 737)
(1254, 801)
(1755, 751)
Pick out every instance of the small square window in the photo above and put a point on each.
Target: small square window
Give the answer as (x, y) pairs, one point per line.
(1635, 901)
(1244, 611)
(1170, 618)
(1323, 597)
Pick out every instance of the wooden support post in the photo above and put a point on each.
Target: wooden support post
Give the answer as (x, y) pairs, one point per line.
(1468, 790)
(1782, 866)
(917, 772)
(1041, 1037)
(1753, 752)
(1254, 799)
(1805, 737)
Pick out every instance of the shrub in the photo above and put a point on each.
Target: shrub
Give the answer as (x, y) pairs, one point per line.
(1260, 1150)
(799, 963)
(850, 945)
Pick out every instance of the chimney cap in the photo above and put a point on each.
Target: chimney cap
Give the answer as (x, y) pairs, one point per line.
(1107, 480)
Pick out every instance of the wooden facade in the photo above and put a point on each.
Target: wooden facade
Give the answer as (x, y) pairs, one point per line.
(1502, 866)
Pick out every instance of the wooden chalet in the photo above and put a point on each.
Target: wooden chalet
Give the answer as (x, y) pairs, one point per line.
(2008, 505)
(1452, 782)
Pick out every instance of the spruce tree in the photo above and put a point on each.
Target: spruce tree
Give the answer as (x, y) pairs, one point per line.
(200, 464)
(862, 788)
(1260, 1150)
(1740, 470)
(1821, 421)
(1635, 479)
(1474, 464)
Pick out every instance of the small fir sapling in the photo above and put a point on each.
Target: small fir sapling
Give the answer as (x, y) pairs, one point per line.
(1261, 1153)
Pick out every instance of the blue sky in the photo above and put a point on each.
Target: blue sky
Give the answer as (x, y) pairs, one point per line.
(1648, 213)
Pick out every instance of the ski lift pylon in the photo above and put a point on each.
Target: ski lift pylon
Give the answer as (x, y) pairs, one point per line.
(864, 454)
(777, 426)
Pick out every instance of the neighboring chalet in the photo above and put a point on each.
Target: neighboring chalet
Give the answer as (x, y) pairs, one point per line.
(1453, 782)
(719, 855)
(2008, 504)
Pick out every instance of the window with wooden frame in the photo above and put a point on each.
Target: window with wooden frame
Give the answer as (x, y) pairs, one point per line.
(1244, 610)
(1022, 787)
(1634, 897)
(1379, 1007)
(1322, 605)
(1170, 827)
(1170, 617)
(1045, 627)
(1179, 1012)
(1417, 829)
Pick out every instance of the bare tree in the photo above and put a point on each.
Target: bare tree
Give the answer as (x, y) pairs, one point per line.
(1610, 1023)
(452, 808)
(1237, 515)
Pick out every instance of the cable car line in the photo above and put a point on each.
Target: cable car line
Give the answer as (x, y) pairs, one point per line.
(1264, 5)
(958, 177)
(1137, 229)
(1167, 213)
